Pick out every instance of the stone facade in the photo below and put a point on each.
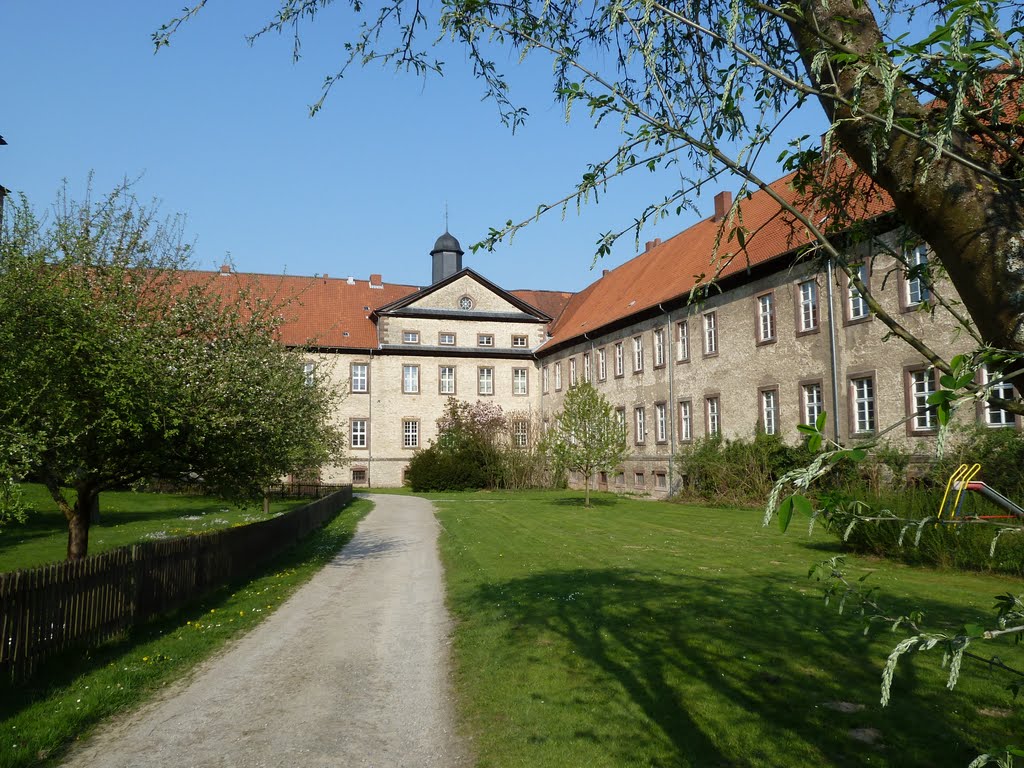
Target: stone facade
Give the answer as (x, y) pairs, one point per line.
(758, 356)
(780, 342)
(431, 349)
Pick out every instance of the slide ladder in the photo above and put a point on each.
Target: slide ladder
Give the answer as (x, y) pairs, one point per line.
(962, 480)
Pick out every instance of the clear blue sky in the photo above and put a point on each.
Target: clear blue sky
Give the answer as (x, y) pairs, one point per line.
(220, 131)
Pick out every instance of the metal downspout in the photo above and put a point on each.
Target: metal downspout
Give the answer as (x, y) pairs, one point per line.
(670, 364)
(593, 373)
(369, 421)
(832, 352)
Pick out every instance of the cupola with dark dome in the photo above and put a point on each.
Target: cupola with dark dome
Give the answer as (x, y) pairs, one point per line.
(447, 257)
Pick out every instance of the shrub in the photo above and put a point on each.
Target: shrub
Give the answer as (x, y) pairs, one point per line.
(439, 469)
(965, 545)
(738, 471)
(999, 451)
(476, 448)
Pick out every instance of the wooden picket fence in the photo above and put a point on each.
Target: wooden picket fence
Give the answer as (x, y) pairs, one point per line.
(56, 607)
(302, 490)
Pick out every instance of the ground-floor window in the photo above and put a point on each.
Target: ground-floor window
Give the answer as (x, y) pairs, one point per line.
(521, 433)
(712, 415)
(812, 401)
(922, 385)
(770, 411)
(993, 414)
(410, 434)
(862, 391)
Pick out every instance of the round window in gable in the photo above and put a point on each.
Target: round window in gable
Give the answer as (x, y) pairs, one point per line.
(465, 303)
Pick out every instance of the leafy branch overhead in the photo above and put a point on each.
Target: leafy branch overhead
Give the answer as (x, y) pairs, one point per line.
(843, 515)
(921, 98)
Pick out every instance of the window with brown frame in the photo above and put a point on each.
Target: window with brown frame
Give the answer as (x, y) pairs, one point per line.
(806, 307)
(765, 304)
(446, 380)
(920, 382)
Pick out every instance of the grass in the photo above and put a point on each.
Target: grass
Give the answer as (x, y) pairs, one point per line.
(73, 693)
(126, 517)
(646, 634)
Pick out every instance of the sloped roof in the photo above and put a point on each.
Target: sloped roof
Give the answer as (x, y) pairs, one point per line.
(704, 252)
(551, 303)
(466, 272)
(318, 311)
(335, 312)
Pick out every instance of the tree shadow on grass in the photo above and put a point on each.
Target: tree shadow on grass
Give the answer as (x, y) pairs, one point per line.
(729, 672)
(581, 502)
(834, 547)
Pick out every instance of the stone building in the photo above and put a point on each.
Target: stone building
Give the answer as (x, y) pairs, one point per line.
(776, 342)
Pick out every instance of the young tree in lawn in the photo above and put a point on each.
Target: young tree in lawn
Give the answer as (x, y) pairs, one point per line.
(585, 437)
(116, 366)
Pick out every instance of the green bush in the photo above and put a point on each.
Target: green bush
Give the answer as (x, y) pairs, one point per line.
(999, 451)
(440, 469)
(964, 545)
(738, 471)
(479, 446)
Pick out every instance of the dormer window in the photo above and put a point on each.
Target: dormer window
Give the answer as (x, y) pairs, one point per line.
(465, 303)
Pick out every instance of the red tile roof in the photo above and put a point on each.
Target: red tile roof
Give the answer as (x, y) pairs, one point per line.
(333, 312)
(551, 303)
(692, 258)
(317, 311)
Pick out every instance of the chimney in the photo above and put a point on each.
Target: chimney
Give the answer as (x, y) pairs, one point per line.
(376, 281)
(723, 202)
(326, 276)
(225, 269)
(652, 244)
(604, 272)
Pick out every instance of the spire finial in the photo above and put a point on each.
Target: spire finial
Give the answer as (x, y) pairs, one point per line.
(445, 215)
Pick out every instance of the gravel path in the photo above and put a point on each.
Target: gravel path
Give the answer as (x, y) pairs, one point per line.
(351, 671)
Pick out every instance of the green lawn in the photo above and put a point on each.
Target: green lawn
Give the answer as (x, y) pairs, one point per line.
(125, 518)
(647, 634)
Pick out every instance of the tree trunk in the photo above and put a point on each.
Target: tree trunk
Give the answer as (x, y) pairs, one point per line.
(78, 532)
(973, 222)
(86, 506)
(78, 516)
(586, 492)
(94, 510)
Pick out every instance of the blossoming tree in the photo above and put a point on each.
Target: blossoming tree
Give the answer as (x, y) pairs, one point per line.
(117, 366)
